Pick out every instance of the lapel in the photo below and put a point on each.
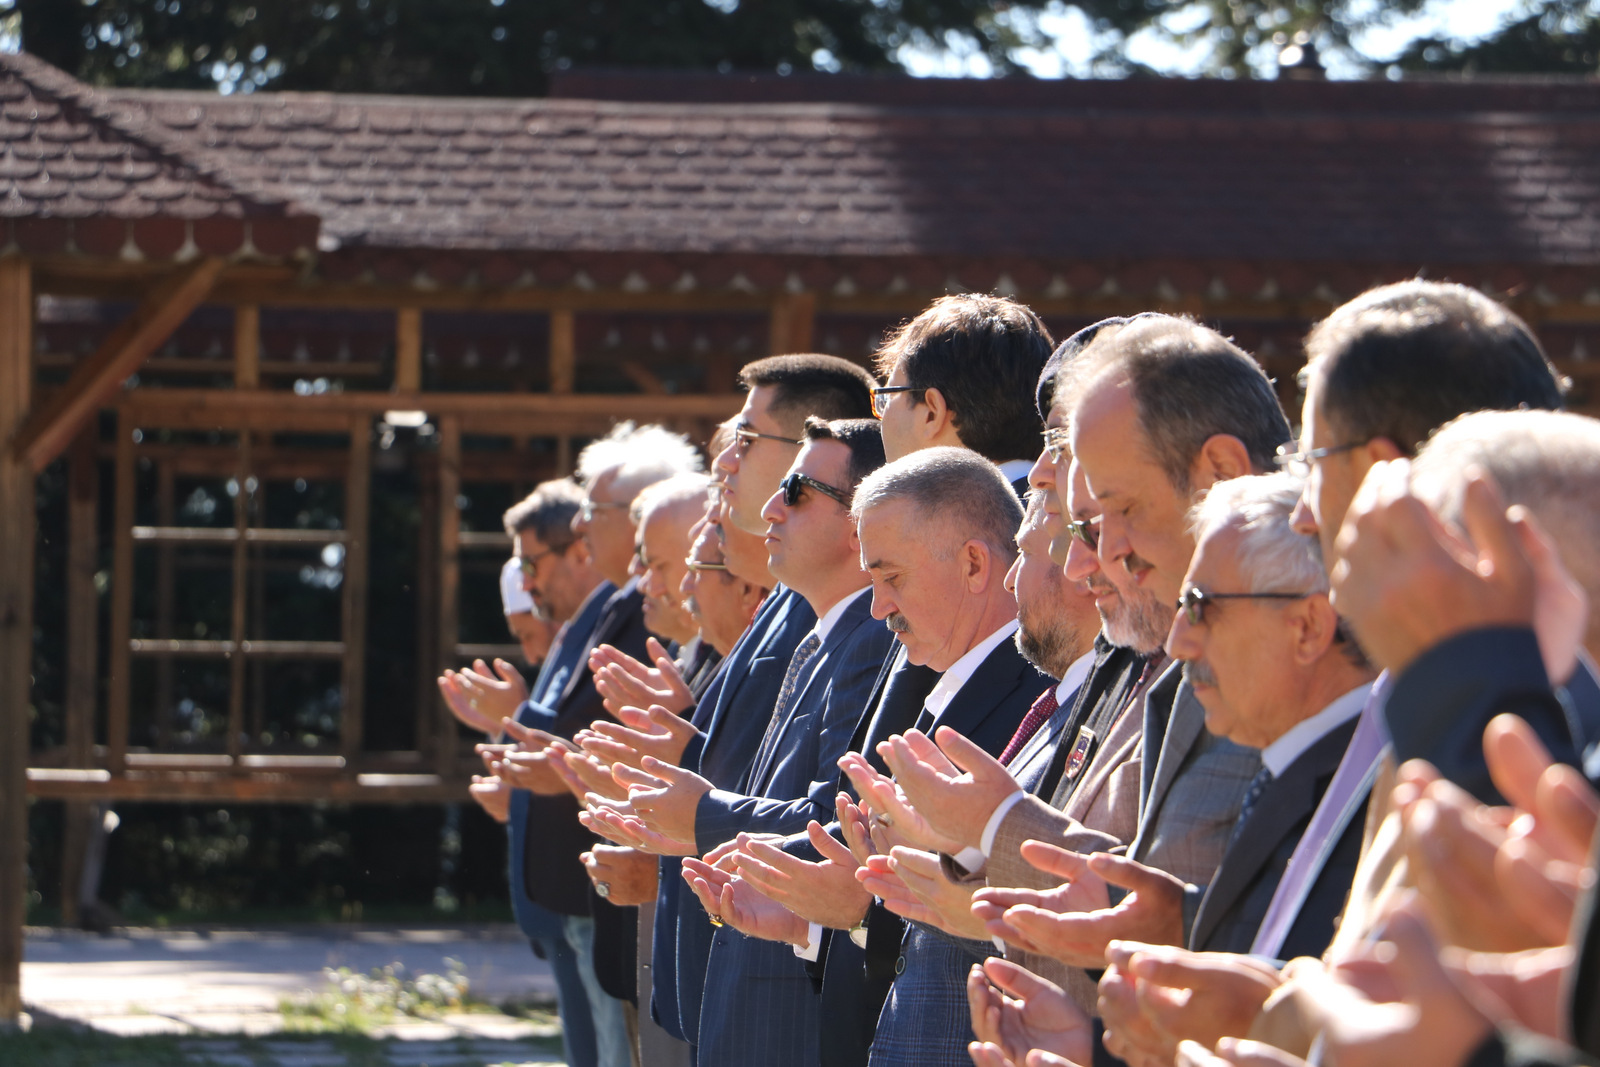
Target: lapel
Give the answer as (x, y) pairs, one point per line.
(818, 674)
(614, 614)
(1287, 805)
(1173, 720)
(1116, 671)
(766, 629)
(992, 684)
(573, 644)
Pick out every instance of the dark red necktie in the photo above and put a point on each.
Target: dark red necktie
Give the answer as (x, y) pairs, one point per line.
(1042, 709)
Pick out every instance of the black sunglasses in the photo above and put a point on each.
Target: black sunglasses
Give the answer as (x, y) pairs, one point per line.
(795, 482)
(1193, 601)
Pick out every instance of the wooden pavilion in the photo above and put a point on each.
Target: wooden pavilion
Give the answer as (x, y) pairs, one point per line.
(206, 299)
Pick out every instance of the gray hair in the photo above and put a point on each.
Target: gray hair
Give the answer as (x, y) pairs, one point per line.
(954, 487)
(1547, 461)
(641, 456)
(680, 490)
(547, 513)
(1273, 557)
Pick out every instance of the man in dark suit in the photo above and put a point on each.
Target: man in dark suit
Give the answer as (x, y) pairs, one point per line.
(759, 1004)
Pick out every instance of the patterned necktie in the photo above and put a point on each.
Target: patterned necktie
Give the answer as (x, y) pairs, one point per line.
(1258, 786)
(780, 711)
(1042, 709)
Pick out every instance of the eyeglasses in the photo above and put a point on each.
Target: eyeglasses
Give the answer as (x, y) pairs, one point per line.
(586, 513)
(879, 393)
(792, 485)
(1193, 601)
(1087, 531)
(1055, 442)
(746, 437)
(529, 564)
(1299, 463)
(696, 566)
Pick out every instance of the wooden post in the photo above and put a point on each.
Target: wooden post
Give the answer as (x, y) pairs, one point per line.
(241, 573)
(449, 577)
(408, 351)
(166, 595)
(120, 682)
(357, 523)
(16, 624)
(563, 375)
(793, 318)
(247, 347)
(83, 626)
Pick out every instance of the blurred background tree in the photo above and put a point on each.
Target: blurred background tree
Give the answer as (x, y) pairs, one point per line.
(511, 47)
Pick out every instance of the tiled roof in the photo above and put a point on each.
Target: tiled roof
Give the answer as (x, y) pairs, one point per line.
(72, 178)
(1055, 175)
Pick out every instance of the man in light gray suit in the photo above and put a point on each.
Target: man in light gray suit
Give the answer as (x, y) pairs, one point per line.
(1159, 410)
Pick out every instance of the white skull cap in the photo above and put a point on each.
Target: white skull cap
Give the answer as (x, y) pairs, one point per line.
(515, 598)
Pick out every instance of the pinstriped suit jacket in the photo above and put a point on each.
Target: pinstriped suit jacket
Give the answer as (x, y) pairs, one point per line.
(760, 1005)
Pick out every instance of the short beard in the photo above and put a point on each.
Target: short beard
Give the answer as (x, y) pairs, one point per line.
(1141, 624)
(1046, 643)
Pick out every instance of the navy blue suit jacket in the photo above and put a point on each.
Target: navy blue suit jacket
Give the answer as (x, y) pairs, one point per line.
(760, 1004)
(731, 717)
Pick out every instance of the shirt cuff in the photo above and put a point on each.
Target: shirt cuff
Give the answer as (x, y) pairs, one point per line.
(992, 827)
(813, 946)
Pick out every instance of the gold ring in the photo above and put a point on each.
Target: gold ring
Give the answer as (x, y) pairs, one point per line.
(714, 920)
(884, 820)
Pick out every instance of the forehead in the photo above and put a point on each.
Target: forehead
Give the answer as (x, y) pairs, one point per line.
(1080, 502)
(600, 488)
(890, 528)
(1216, 558)
(757, 411)
(706, 548)
(823, 460)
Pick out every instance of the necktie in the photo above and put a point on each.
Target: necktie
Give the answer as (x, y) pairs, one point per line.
(1042, 709)
(1252, 796)
(1350, 782)
(786, 693)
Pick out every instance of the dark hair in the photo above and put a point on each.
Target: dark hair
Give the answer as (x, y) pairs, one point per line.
(1189, 383)
(1056, 366)
(1402, 360)
(863, 437)
(547, 513)
(811, 384)
(984, 354)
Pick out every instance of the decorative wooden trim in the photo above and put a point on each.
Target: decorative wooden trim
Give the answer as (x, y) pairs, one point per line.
(50, 429)
(563, 351)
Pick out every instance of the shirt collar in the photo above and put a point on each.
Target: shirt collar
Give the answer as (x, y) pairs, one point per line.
(1278, 756)
(831, 617)
(1015, 468)
(956, 675)
(1074, 678)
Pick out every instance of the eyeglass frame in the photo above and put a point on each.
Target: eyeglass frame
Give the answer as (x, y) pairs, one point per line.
(746, 437)
(530, 564)
(879, 391)
(793, 482)
(586, 512)
(1055, 442)
(697, 566)
(1192, 604)
(1083, 530)
(1299, 463)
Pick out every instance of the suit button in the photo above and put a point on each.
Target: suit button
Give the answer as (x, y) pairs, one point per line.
(900, 965)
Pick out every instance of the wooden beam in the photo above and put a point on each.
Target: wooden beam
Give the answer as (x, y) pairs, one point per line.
(247, 347)
(357, 523)
(563, 351)
(407, 350)
(224, 404)
(237, 633)
(16, 625)
(120, 683)
(50, 429)
(255, 788)
(83, 640)
(449, 610)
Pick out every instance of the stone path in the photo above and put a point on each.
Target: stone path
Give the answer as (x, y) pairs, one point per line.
(205, 983)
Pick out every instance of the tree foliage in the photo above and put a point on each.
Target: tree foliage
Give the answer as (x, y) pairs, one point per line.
(511, 47)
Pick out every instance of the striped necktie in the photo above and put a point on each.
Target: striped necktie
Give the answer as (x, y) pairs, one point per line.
(1041, 711)
(786, 694)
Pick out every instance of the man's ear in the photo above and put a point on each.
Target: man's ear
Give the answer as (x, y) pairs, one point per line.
(1316, 627)
(1382, 449)
(978, 564)
(1221, 458)
(935, 414)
